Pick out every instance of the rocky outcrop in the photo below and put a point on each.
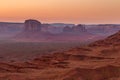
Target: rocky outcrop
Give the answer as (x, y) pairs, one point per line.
(110, 41)
(77, 28)
(32, 25)
(103, 29)
(67, 29)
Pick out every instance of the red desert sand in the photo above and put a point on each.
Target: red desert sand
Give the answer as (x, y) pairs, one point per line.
(97, 61)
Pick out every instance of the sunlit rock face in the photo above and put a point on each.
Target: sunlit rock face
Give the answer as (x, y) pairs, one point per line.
(32, 25)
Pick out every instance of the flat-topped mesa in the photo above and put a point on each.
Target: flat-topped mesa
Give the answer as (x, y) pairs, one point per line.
(32, 25)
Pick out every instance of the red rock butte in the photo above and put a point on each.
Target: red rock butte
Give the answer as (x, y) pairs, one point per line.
(32, 25)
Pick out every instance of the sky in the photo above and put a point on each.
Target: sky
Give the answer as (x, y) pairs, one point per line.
(64, 11)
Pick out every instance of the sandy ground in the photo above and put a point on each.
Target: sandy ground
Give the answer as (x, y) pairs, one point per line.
(98, 61)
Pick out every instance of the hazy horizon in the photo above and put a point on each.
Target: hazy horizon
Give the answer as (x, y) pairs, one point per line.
(57, 22)
(62, 11)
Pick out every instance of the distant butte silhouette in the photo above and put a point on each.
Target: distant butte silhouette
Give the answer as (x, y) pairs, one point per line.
(32, 25)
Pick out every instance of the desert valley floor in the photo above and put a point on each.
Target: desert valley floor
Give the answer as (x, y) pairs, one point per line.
(99, 60)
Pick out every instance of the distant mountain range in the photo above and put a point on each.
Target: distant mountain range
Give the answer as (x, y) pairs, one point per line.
(33, 30)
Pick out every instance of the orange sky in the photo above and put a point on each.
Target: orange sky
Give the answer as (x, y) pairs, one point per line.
(68, 11)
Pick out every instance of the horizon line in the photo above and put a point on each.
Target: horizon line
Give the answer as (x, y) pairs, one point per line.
(55, 22)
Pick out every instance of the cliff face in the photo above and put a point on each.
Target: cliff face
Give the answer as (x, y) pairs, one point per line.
(32, 25)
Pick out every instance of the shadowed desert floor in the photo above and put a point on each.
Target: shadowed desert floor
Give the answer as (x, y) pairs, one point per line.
(97, 61)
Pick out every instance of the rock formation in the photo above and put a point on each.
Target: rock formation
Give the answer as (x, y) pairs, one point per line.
(32, 25)
(79, 28)
(67, 29)
(112, 40)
